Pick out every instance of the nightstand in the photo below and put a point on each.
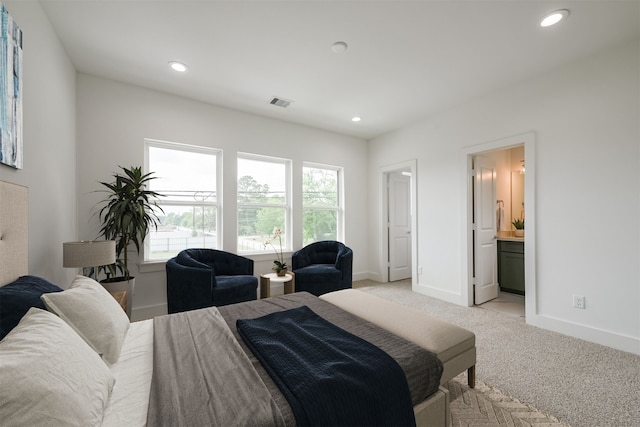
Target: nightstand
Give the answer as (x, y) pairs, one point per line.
(121, 297)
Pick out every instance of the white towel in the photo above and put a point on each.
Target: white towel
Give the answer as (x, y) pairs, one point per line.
(499, 218)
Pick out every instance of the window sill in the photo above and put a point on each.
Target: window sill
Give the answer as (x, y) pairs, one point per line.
(262, 256)
(151, 266)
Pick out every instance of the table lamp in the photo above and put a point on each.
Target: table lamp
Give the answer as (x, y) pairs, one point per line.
(89, 254)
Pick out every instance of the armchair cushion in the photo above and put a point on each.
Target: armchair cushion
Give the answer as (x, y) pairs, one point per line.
(324, 271)
(235, 288)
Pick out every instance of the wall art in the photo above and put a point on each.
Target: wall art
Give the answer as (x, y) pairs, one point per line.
(10, 91)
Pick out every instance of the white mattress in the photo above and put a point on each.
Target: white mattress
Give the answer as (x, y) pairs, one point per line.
(130, 396)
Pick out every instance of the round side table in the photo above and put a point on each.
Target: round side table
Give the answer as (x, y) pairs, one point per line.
(288, 281)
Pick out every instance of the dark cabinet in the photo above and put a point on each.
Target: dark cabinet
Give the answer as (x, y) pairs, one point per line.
(511, 266)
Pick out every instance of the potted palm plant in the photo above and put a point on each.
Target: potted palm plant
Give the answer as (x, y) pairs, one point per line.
(128, 212)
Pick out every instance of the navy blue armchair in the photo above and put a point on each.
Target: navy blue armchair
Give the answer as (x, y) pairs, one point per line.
(322, 267)
(198, 278)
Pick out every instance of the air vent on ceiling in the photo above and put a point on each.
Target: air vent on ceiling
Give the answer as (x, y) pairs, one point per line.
(280, 102)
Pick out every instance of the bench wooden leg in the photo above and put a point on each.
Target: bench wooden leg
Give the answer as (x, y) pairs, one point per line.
(471, 376)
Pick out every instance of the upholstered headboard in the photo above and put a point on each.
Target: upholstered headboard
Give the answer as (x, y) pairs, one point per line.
(14, 231)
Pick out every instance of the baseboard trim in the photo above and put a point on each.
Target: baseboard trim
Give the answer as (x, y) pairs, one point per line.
(595, 335)
(430, 291)
(359, 276)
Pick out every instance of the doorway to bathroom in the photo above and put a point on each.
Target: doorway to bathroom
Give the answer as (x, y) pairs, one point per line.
(500, 194)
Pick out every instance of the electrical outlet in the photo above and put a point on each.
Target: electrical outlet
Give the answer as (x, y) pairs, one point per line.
(579, 301)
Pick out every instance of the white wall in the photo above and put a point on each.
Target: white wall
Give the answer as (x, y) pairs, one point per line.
(49, 142)
(114, 119)
(585, 117)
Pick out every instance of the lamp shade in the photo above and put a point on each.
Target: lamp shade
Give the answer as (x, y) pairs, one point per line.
(88, 253)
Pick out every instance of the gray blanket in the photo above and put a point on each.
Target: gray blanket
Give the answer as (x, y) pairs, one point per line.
(201, 372)
(201, 376)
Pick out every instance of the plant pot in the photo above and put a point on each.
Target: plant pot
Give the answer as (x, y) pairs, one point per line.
(519, 233)
(117, 284)
(282, 272)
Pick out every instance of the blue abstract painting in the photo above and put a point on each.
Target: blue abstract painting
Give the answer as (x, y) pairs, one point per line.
(10, 91)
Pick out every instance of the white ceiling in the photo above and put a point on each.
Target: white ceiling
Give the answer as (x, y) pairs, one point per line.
(406, 59)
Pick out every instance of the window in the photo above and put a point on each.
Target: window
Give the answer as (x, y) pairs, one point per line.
(321, 203)
(188, 178)
(263, 201)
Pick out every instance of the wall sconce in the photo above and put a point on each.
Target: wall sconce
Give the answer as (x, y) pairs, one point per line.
(521, 167)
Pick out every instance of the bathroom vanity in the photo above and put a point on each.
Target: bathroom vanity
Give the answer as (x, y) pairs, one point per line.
(511, 264)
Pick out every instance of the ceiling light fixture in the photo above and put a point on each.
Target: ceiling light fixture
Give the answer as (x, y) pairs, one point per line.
(178, 66)
(356, 119)
(339, 47)
(554, 17)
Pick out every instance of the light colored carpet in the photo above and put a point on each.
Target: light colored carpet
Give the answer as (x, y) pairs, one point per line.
(578, 382)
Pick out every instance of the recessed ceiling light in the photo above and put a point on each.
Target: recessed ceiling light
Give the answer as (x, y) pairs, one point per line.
(339, 47)
(554, 17)
(178, 66)
(356, 119)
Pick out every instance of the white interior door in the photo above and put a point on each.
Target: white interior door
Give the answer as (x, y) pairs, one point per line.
(485, 248)
(399, 217)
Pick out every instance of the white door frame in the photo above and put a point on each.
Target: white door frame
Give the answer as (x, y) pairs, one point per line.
(528, 139)
(411, 166)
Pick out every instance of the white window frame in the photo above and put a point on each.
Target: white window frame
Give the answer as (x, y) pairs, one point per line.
(219, 199)
(339, 208)
(288, 232)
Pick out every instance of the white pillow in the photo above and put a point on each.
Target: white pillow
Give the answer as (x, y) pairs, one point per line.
(93, 313)
(50, 376)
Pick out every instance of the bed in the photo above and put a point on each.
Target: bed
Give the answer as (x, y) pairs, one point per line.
(119, 373)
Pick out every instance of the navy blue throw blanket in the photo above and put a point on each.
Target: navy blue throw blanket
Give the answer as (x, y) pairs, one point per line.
(329, 376)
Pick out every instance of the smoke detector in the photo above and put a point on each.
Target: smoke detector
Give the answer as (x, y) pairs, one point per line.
(280, 102)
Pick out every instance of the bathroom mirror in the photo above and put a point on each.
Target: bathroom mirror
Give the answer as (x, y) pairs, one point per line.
(517, 195)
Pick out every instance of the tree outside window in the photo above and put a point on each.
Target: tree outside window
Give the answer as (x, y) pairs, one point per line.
(322, 205)
(263, 200)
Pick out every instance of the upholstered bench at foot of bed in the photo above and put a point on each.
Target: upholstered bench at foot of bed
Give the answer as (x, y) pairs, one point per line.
(453, 345)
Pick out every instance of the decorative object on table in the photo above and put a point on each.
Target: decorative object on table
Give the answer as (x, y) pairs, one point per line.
(199, 278)
(85, 254)
(280, 267)
(518, 224)
(323, 267)
(129, 211)
(11, 88)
